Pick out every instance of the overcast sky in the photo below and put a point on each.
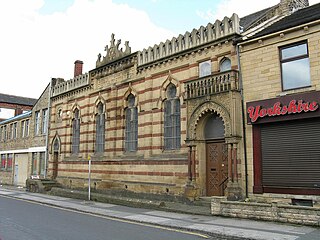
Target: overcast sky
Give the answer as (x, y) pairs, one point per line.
(41, 39)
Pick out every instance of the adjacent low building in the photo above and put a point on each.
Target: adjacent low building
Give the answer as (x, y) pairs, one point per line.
(23, 144)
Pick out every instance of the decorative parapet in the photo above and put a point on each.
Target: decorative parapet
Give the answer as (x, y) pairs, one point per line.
(72, 84)
(213, 84)
(189, 40)
(113, 52)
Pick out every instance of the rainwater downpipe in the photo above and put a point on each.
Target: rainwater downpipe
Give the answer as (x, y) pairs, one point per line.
(47, 135)
(243, 121)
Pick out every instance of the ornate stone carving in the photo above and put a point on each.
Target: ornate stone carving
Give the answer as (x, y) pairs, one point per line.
(113, 52)
(202, 110)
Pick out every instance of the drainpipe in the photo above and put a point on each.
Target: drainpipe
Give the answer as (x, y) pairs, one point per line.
(47, 134)
(243, 121)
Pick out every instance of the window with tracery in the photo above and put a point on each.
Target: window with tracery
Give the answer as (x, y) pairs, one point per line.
(100, 129)
(75, 132)
(131, 125)
(172, 124)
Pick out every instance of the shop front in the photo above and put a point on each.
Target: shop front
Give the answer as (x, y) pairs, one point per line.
(286, 145)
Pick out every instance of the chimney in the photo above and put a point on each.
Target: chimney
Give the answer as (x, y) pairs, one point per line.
(77, 68)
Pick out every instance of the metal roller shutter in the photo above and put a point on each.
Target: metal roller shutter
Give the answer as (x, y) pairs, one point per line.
(291, 154)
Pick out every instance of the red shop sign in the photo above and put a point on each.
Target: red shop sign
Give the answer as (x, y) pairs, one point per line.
(282, 108)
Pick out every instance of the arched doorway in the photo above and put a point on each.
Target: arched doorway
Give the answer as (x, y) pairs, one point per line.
(56, 148)
(216, 155)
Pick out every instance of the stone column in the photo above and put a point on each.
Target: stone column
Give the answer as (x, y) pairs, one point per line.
(191, 189)
(190, 163)
(230, 174)
(234, 164)
(193, 163)
(234, 190)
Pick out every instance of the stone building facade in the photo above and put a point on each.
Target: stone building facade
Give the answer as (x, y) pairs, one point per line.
(23, 144)
(281, 75)
(164, 120)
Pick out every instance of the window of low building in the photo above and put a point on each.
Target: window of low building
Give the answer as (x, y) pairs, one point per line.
(42, 163)
(3, 162)
(22, 127)
(4, 133)
(11, 131)
(295, 66)
(44, 124)
(37, 123)
(27, 128)
(34, 165)
(9, 162)
(14, 134)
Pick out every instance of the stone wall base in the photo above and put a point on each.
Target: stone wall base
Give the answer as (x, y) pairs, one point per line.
(266, 211)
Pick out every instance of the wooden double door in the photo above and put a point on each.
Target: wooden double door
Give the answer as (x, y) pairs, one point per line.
(217, 168)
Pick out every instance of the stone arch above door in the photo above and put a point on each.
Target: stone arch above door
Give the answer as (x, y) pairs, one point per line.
(202, 110)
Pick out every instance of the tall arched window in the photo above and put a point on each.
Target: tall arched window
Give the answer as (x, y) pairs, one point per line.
(172, 128)
(131, 127)
(225, 65)
(75, 132)
(100, 128)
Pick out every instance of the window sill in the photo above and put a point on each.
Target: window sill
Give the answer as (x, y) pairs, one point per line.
(297, 90)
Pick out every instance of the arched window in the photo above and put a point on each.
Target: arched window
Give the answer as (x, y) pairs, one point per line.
(75, 132)
(225, 65)
(131, 125)
(172, 129)
(214, 127)
(205, 68)
(100, 128)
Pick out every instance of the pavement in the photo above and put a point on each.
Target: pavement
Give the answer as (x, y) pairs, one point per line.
(231, 228)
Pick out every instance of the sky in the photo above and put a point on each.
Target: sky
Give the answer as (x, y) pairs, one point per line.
(41, 39)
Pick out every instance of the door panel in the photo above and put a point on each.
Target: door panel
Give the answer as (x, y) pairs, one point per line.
(217, 168)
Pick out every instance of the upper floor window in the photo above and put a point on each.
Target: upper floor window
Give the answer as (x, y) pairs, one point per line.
(14, 133)
(295, 66)
(26, 129)
(225, 65)
(44, 123)
(131, 127)
(22, 128)
(76, 132)
(172, 129)
(100, 128)
(4, 133)
(205, 68)
(37, 123)
(1, 130)
(11, 131)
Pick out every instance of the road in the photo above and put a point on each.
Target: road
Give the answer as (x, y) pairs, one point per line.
(23, 220)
